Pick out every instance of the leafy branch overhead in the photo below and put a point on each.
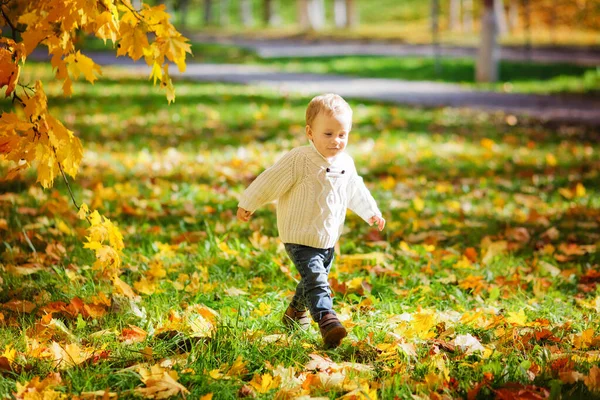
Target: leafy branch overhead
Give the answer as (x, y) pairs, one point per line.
(31, 133)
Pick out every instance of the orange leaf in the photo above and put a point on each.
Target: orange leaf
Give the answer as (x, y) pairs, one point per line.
(133, 334)
(23, 306)
(36, 389)
(471, 254)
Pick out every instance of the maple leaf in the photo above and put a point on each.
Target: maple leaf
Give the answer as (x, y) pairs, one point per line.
(44, 389)
(160, 383)
(167, 84)
(133, 42)
(468, 343)
(33, 36)
(264, 383)
(133, 334)
(69, 355)
(175, 48)
(10, 71)
(107, 26)
(518, 319)
(592, 380)
(98, 394)
(23, 306)
(79, 64)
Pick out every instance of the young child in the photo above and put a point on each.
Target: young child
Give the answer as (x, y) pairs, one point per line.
(314, 185)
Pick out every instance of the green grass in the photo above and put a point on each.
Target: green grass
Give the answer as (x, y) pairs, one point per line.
(446, 179)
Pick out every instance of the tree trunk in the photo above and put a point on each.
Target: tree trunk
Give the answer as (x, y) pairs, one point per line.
(500, 16)
(183, 11)
(246, 13)
(224, 13)
(302, 6)
(208, 12)
(270, 13)
(467, 15)
(513, 15)
(351, 14)
(488, 53)
(435, 31)
(527, 15)
(453, 19)
(340, 14)
(316, 14)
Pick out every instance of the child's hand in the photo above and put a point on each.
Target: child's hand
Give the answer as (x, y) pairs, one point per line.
(243, 215)
(379, 221)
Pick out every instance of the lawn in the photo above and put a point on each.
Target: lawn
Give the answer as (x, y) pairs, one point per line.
(484, 282)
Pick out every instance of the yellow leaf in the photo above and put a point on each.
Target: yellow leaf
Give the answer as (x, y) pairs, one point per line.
(69, 355)
(156, 72)
(216, 374)
(64, 228)
(585, 339)
(79, 64)
(264, 383)
(43, 390)
(487, 143)
(518, 319)
(145, 286)
(580, 190)
(37, 104)
(167, 84)
(238, 367)
(83, 211)
(160, 383)
(32, 37)
(592, 380)
(494, 249)
(10, 71)
(551, 160)
(107, 26)
(418, 204)
(133, 41)
(9, 353)
(262, 310)
(175, 48)
(124, 289)
(566, 193)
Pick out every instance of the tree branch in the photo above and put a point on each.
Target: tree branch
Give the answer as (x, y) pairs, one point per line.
(66, 181)
(9, 22)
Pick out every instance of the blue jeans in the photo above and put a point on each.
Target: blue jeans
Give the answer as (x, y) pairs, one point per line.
(313, 291)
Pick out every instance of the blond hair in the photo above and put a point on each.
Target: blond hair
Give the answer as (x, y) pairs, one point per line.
(329, 103)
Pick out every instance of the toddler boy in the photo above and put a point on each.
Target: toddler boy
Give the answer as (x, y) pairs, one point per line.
(314, 185)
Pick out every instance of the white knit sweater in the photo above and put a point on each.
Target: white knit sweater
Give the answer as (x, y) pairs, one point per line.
(313, 195)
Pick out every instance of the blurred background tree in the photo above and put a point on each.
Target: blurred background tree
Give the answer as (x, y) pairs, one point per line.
(518, 21)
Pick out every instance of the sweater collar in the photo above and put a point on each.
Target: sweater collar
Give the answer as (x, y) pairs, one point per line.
(318, 158)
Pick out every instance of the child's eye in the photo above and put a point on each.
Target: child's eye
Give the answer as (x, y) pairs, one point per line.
(327, 133)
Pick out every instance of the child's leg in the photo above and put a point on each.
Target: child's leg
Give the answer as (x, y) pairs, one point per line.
(313, 290)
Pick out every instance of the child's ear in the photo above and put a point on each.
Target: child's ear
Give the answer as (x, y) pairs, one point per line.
(308, 132)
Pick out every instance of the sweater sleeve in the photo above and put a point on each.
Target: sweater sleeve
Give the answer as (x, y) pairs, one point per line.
(271, 184)
(360, 199)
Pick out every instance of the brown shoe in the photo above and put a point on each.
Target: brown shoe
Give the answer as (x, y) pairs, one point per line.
(293, 318)
(332, 330)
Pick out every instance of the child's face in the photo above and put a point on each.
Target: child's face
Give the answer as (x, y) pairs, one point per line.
(329, 133)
